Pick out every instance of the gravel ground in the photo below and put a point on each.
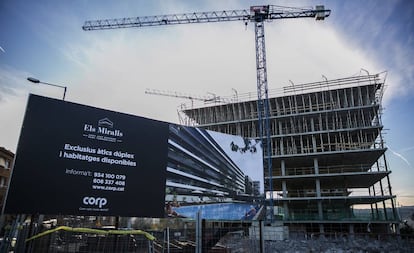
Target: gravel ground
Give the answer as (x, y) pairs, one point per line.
(358, 245)
(339, 246)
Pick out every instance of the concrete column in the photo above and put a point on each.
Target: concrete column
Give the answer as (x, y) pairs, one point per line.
(318, 188)
(280, 128)
(284, 190)
(351, 231)
(321, 230)
(397, 230)
(316, 165)
(317, 181)
(283, 167)
(286, 211)
(320, 212)
(313, 136)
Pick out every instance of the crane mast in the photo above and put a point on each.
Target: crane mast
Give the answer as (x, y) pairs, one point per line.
(257, 15)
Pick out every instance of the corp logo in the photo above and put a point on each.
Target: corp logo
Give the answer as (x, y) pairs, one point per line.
(92, 201)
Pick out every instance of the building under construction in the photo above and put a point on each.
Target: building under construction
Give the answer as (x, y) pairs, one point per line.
(329, 172)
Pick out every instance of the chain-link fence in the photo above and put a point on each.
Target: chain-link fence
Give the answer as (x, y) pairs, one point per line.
(98, 234)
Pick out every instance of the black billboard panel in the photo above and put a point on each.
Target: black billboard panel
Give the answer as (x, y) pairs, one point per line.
(76, 159)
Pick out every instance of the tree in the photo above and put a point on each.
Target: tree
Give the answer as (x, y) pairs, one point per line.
(249, 145)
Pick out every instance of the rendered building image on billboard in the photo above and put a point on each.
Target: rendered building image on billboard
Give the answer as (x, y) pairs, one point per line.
(208, 170)
(81, 160)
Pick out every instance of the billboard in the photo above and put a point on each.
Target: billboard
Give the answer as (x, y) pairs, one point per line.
(77, 159)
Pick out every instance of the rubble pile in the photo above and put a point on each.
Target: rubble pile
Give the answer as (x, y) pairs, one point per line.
(339, 246)
(322, 245)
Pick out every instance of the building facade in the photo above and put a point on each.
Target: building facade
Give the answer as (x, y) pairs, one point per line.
(329, 171)
(6, 165)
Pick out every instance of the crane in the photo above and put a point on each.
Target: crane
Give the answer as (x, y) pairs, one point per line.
(212, 98)
(257, 15)
(209, 99)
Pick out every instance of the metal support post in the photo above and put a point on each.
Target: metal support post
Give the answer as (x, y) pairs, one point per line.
(198, 233)
(263, 106)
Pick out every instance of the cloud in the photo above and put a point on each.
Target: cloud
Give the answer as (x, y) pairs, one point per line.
(200, 58)
(400, 156)
(111, 69)
(407, 149)
(383, 32)
(12, 112)
(11, 81)
(184, 59)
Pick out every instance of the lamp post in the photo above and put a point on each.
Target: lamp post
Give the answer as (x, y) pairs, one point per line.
(34, 80)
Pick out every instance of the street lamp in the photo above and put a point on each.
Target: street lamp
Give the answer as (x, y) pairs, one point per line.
(34, 80)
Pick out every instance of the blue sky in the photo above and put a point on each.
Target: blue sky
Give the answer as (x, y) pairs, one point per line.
(111, 69)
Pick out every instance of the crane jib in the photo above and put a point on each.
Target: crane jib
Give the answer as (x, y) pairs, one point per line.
(255, 14)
